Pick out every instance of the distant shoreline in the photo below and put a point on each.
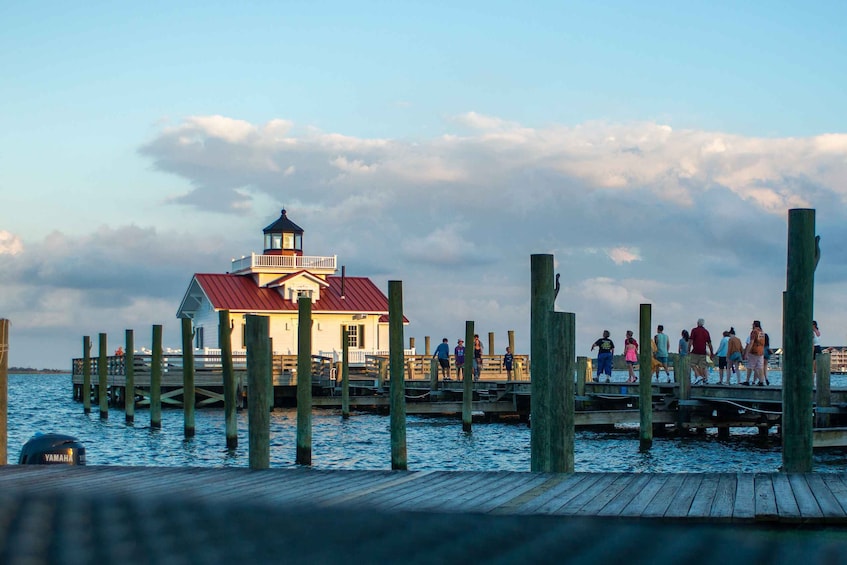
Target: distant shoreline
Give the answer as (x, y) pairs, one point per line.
(27, 371)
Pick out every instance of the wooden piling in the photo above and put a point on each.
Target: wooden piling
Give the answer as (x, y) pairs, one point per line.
(541, 305)
(411, 343)
(433, 374)
(86, 374)
(271, 374)
(345, 377)
(304, 381)
(188, 376)
(427, 350)
(682, 375)
(467, 379)
(129, 373)
(491, 344)
(398, 385)
(823, 395)
(103, 378)
(645, 376)
(797, 343)
(581, 370)
(258, 416)
(4, 390)
(156, 379)
(562, 370)
(230, 387)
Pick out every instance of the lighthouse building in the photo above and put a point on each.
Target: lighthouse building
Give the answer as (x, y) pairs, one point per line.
(271, 283)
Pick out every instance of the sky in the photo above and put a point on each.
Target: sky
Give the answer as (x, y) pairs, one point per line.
(653, 148)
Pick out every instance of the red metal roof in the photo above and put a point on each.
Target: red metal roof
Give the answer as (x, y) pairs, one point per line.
(240, 293)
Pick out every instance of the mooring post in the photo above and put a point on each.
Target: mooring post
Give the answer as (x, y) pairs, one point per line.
(491, 345)
(433, 373)
(412, 343)
(129, 372)
(230, 388)
(467, 379)
(797, 343)
(258, 416)
(304, 381)
(103, 376)
(382, 371)
(4, 389)
(682, 375)
(345, 376)
(156, 379)
(541, 305)
(645, 377)
(562, 369)
(188, 376)
(823, 395)
(86, 374)
(398, 384)
(426, 346)
(581, 370)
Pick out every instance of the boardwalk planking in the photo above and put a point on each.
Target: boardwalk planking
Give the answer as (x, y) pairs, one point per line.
(744, 497)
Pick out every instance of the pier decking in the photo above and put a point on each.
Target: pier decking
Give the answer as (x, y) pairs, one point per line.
(107, 514)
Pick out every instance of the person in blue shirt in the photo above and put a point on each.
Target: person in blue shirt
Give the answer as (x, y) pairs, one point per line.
(508, 359)
(459, 352)
(442, 353)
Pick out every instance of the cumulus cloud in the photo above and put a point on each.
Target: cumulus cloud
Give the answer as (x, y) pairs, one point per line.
(623, 255)
(10, 244)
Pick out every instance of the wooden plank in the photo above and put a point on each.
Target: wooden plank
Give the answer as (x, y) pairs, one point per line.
(393, 482)
(603, 498)
(830, 508)
(509, 495)
(570, 484)
(640, 501)
(806, 501)
(467, 500)
(573, 505)
(786, 504)
(837, 487)
(404, 493)
(615, 506)
(664, 497)
(701, 505)
(724, 502)
(431, 499)
(765, 501)
(685, 495)
(745, 497)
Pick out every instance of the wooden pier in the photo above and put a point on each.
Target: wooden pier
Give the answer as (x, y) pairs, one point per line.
(129, 515)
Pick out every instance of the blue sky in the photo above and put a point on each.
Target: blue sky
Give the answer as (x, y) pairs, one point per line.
(142, 143)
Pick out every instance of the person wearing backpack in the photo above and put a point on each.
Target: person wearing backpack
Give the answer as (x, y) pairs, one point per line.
(754, 354)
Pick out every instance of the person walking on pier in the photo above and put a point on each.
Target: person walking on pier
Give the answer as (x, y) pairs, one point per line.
(477, 357)
(442, 353)
(700, 340)
(816, 342)
(662, 342)
(508, 359)
(754, 354)
(459, 352)
(734, 356)
(606, 350)
(721, 355)
(630, 355)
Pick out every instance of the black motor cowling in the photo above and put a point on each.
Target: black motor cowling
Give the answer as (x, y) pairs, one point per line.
(52, 449)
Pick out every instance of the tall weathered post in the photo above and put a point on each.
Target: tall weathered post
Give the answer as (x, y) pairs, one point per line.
(103, 376)
(682, 375)
(345, 376)
(581, 370)
(797, 343)
(4, 389)
(491, 345)
(129, 372)
(467, 379)
(86, 374)
(398, 384)
(258, 416)
(230, 388)
(562, 339)
(156, 379)
(304, 381)
(427, 350)
(188, 376)
(411, 343)
(823, 394)
(541, 305)
(645, 377)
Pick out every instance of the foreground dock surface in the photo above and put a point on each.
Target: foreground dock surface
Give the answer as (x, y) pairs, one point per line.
(62, 514)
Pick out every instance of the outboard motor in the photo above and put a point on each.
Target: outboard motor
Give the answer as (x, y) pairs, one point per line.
(52, 449)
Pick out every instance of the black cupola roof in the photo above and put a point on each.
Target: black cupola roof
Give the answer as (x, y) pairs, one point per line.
(283, 224)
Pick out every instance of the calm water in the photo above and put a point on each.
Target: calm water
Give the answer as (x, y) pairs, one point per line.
(42, 403)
